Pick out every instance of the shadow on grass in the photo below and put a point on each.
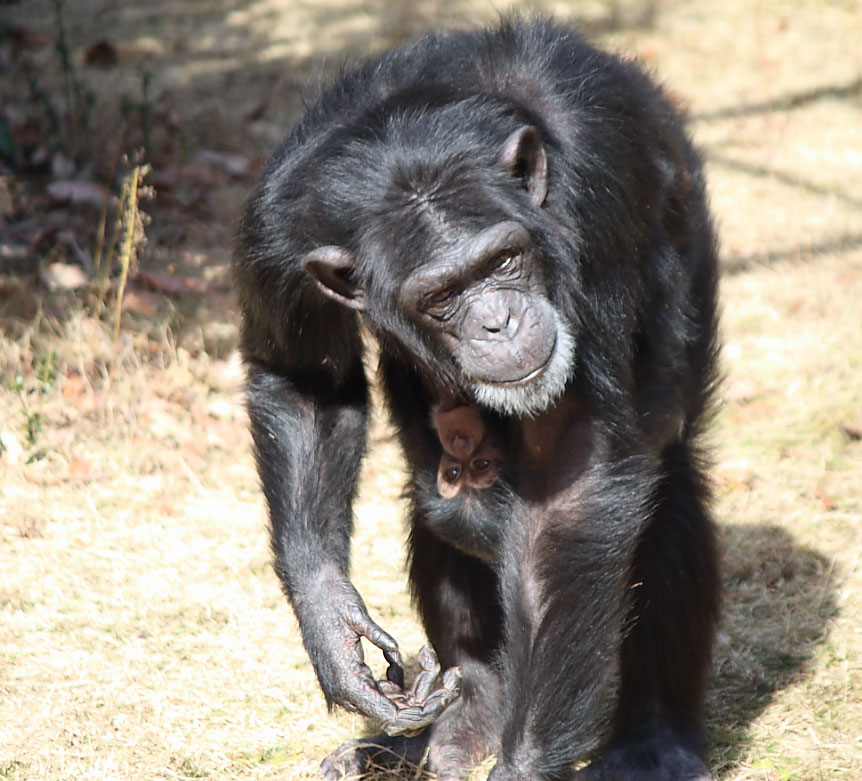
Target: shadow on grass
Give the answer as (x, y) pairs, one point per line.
(779, 599)
(835, 244)
(764, 171)
(789, 102)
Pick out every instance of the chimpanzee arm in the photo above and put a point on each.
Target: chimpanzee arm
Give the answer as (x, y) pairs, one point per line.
(308, 447)
(306, 400)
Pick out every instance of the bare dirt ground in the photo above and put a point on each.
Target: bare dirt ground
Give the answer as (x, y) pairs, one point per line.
(142, 631)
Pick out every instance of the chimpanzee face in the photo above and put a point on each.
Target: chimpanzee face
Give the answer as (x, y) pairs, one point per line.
(486, 303)
(482, 298)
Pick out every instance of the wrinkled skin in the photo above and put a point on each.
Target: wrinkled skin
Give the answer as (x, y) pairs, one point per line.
(398, 710)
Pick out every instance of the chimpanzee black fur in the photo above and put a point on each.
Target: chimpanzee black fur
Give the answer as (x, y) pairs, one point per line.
(520, 219)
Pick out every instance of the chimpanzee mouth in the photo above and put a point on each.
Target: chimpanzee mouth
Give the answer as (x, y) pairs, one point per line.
(540, 388)
(532, 375)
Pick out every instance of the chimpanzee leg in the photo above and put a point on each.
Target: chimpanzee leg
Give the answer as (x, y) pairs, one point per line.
(565, 574)
(458, 598)
(666, 652)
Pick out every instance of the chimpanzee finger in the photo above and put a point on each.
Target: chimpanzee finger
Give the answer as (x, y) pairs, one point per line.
(411, 720)
(395, 671)
(414, 718)
(426, 677)
(393, 692)
(360, 622)
(452, 680)
(379, 700)
(440, 699)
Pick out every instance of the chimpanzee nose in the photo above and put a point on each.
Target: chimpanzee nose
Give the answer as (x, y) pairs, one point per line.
(499, 324)
(496, 315)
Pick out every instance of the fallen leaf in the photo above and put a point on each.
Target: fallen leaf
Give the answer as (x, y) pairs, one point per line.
(173, 284)
(102, 53)
(141, 302)
(62, 276)
(828, 504)
(78, 191)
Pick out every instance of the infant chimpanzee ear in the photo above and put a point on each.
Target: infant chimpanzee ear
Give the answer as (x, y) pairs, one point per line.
(330, 268)
(524, 155)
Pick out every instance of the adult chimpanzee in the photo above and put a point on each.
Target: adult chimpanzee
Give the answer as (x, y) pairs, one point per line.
(520, 220)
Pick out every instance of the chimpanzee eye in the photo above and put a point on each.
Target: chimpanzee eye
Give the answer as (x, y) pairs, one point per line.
(452, 474)
(442, 296)
(503, 261)
(481, 464)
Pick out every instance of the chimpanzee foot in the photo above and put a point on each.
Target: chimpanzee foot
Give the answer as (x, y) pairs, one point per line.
(357, 757)
(656, 757)
(461, 738)
(448, 761)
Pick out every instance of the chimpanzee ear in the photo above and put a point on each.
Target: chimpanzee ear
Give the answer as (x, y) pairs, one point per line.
(330, 268)
(524, 155)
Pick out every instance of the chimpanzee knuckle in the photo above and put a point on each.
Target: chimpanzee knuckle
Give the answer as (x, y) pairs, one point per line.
(422, 687)
(393, 655)
(356, 617)
(376, 635)
(393, 692)
(436, 703)
(361, 623)
(386, 643)
(427, 712)
(452, 680)
(427, 658)
(407, 720)
(394, 728)
(369, 700)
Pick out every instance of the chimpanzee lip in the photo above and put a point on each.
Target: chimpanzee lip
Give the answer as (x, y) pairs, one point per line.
(530, 376)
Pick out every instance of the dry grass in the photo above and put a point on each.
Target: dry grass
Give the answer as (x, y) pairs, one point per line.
(143, 634)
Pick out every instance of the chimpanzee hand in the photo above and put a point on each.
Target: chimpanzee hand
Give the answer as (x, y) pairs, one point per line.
(333, 622)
